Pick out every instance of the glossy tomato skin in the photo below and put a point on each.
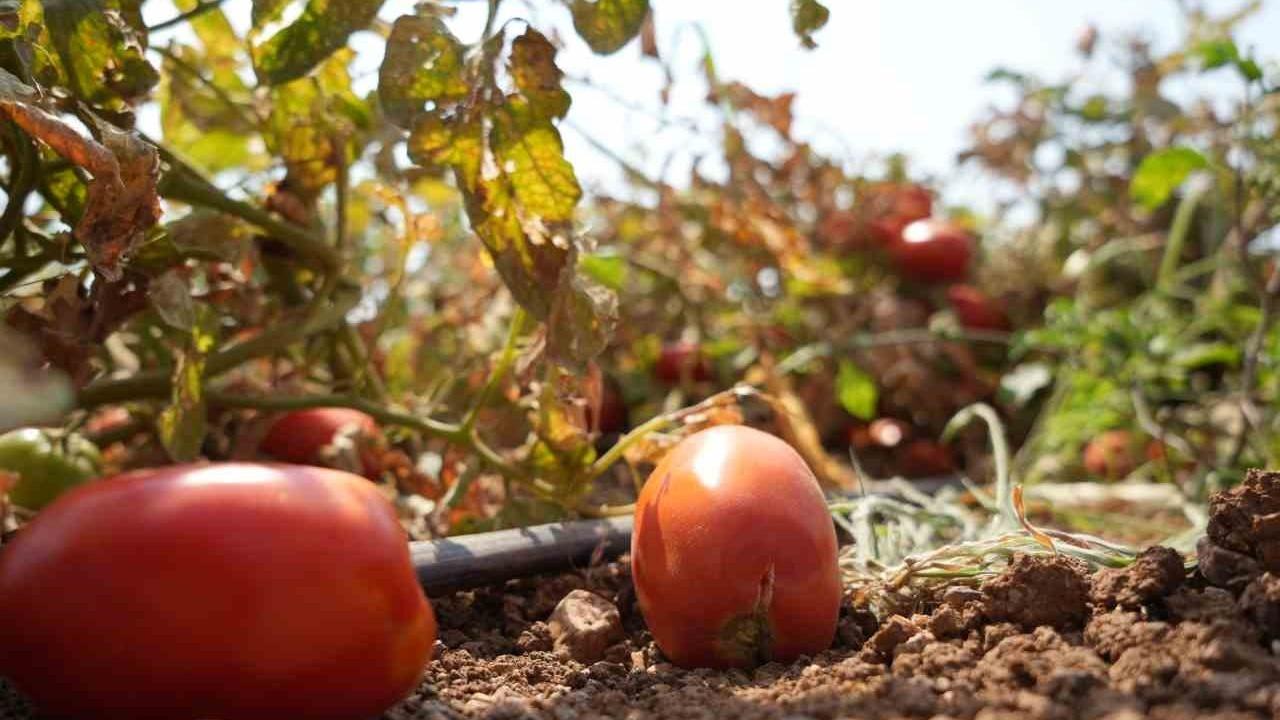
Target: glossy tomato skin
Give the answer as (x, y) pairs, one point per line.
(236, 591)
(47, 463)
(678, 358)
(975, 309)
(301, 436)
(933, 251)
(733, 553)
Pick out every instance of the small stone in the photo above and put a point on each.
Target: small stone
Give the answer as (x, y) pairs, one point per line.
(583, 626)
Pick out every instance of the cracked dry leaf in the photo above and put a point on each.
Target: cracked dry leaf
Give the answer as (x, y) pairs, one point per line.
(122, 202)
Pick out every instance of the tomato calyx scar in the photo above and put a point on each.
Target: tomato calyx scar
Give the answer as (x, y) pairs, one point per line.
(746, 639)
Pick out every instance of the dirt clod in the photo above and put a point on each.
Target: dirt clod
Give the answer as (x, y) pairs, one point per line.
(1261, 603)
(1246, 519)
(1157, 572)
(584, 625)
(1039, 590)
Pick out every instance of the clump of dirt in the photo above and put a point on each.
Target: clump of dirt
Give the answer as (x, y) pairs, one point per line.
(1243, 537)
(1043, 640)
(1037, 590)
(1157, 572)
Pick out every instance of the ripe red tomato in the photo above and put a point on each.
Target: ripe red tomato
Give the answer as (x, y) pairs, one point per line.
(733, 553)
(890, 207)
(236, 591)
(680, 358)
(613, 409)
(975, 309)
(1112, 455)
(933, 251)
(924, 458)
(301, 436)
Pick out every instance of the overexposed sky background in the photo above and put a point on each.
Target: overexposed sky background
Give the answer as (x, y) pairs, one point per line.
(887, 76)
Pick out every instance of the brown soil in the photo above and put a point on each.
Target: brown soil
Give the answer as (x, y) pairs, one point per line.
(1044, 640)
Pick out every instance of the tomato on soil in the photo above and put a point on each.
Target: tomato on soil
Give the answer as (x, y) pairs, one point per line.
(733, 553)
(678, 360)
(46, 463)
(237, 591)
(933, 251)
(975, 309)
(302, 435)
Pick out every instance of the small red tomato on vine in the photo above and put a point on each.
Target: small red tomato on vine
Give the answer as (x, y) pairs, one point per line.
(45, 464)
(302, 436)
(1113, 455)
(933, 251)
(680, 360)
(975, 309)
(236, 591)
(734, 553)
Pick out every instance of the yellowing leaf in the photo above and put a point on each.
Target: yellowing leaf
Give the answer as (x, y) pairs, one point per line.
(607, 25)
(320, 31)
(423, 63)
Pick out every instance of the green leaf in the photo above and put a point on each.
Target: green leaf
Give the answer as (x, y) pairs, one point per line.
(101, 47)
(1214, 54)
(856, 391)
(182, 424)
(1207, 354)
(319, 32)
(422, 64)
(1161, 173)
(807, 18)
(608, 270)
(607, 25)
(264, 11)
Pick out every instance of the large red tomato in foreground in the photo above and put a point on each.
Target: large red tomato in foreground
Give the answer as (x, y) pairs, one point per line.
(734, 554)
(301, 436)
(229, 591)
(933, 251)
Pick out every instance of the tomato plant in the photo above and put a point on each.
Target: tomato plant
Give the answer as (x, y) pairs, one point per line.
(733, 552)
(302, 436)
(236, 591)
(933, 251)
(47, 463)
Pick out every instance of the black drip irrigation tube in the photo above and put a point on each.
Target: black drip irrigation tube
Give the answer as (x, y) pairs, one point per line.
(471, 561)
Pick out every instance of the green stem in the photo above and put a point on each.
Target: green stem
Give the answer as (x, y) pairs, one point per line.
(505, 361)
(1178, 238)
(156, 383)
(657, 423)
(1000, 451)
(185, 184)
(200, 9)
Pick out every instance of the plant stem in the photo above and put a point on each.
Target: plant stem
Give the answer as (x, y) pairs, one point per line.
(500, 370)
(183, 183)
(201, 8)
(156, 383)
(1178, 237)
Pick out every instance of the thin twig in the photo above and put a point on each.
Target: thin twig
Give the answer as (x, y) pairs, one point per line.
(201, 8)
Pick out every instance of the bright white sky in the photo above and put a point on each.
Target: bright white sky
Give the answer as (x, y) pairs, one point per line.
(888, 75)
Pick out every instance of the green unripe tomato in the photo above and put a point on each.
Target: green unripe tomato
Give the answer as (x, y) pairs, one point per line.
(47, 463)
